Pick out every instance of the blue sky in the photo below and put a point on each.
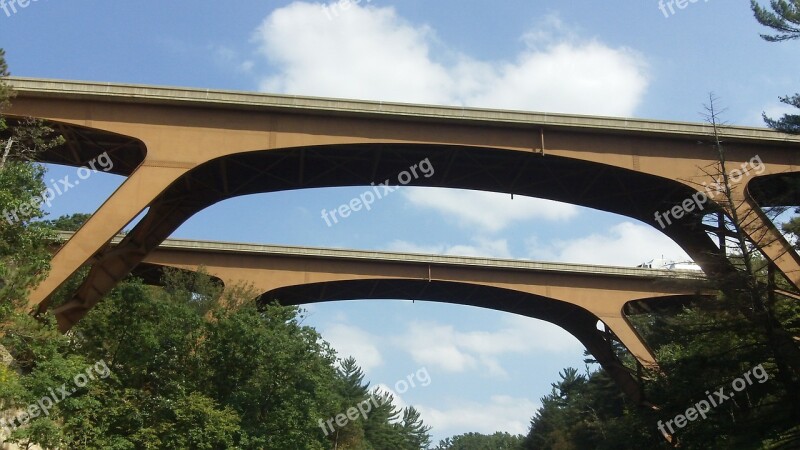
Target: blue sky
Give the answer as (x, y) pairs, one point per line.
(488, 369)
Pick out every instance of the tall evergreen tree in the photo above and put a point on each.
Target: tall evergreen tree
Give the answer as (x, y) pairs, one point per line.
(353, 387)
(381, 429)
(784, 17)
(414, 429)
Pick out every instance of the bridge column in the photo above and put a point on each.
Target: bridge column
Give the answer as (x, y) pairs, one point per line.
(598, 344)
(130, 199)
(763, 233)
(631, 339)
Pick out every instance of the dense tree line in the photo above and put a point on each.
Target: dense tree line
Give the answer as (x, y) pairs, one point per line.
(477, 441)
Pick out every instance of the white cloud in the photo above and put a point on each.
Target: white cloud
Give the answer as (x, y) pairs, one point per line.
(502, 413)
(228, 57)
(565, 78)
(625, 244)
(367, 53)
(773, 111)
(352, 341)
(442, 346)
(371, 52)
(481, 247)
(490, 211)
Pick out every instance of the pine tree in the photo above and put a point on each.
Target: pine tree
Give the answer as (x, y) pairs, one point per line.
(416, 432)
(381, 430)
(784, 18)
(353, 388)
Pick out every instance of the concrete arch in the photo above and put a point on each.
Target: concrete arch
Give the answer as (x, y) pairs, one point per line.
(575, 320)
(573, 296)
(199, 188)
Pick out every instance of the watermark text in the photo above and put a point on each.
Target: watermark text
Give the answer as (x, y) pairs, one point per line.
(715, 399)
(57, 189)
(378, 192)
(670, 7)
(10, 6)
(55, 396)
(700, 198)
(363, 408)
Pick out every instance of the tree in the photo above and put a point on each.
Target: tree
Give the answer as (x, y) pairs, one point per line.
(71, 222)
(352, 391)
(24, 252)
(784, 18)
(381, 429)
(476, 441)
(414, 429)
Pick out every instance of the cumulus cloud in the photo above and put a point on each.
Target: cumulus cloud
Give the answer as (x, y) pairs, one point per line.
(445, 348)
(370, 52)
(352, 341)
(227, 57)
(489, 211)
(773, 111)
(367, 53)
(480, 247)
(501, 413)
(624, 244)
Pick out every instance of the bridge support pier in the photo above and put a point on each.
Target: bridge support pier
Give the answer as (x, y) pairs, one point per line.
(130, 199)
(599, 345)
(763, 233)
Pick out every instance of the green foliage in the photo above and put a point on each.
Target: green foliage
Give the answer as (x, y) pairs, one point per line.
(587, 411)
(414, 429)
(71, 222)
(42, 364)
(792, 227)
(380, 429)
(784, 18)
(352, 392)
(701, 349)
(194, 369)
(5, 90)
(384, 427)
(24, 253)
(475, 441)
(789, 123)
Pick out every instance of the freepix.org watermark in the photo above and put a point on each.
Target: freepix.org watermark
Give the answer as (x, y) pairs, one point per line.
(715, 399)
(58, 189)
(10, 6)
(378, 192)
(363, 409)
(699, 199)
(670, 7)
(45, 404)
